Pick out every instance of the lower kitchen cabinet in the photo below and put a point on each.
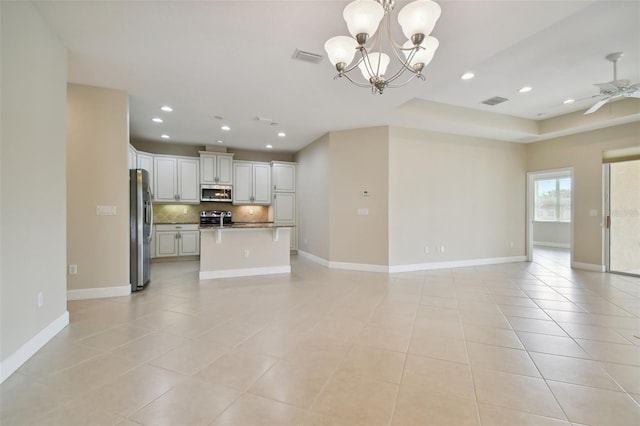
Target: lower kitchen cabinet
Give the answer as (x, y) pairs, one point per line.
(177, 240)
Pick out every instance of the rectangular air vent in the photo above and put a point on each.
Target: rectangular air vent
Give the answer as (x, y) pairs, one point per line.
(301, 55)
(494, 101)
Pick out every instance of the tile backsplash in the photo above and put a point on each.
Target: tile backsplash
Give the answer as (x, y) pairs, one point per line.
(190, 213)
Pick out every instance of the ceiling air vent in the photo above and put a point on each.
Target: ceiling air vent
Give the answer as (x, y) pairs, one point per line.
(301, 55)
(494, 101)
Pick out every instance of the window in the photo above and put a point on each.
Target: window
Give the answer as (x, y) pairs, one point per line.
(553, 199)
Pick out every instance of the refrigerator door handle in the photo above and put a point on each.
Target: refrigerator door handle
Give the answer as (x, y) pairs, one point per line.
(150, 207)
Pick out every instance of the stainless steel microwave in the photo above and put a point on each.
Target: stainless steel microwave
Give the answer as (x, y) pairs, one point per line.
(216, 193)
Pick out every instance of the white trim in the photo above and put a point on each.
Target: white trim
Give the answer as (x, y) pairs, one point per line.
(313, 258)
(248, 272)
(548, 244)
(366, 267)
(456, 264)
(588, 266)
(98, 293)
(14, 361)
(412, 267)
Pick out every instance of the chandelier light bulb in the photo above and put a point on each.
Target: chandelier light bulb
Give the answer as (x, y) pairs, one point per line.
(341, 50)
(424, 55)
(374, 58)
(419, 17)
(363, 17)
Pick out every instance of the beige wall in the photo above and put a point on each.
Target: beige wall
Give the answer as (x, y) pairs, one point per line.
(466, 194)
(32, 176)
(583, 152)
(359, 161)
(97, 141)
(193, 151)
(552, 233)
(313, 198)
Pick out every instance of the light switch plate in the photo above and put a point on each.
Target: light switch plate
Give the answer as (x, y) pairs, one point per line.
(363, 212)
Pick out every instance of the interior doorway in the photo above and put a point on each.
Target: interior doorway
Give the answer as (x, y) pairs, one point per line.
(550, 217)
(622, 212)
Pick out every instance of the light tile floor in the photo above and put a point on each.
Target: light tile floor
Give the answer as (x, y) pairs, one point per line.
(514, 344)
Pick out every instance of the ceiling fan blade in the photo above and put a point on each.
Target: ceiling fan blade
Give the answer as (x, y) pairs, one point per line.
(597, 106)
(621, 83)
(635, 94)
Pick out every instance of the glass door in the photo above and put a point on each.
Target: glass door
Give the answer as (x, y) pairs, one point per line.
(623, 217)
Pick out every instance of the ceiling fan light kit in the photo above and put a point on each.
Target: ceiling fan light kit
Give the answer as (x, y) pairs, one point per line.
(615, 88)
(363, 17)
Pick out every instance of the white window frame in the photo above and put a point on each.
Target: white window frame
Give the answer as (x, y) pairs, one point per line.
(557, 178)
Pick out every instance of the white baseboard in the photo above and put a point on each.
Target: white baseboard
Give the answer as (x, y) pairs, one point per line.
(248, 272)
(456, 264)
(555, 245)
(9, 365)
(588, 266)
(365, 267)
(412, 267)
(98, 293)
(314, 258)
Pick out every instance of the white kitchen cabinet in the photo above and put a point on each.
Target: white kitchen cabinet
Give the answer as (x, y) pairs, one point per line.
(176, 180)
(188, 180)
(251, 183)
(177, 240)
(284, 207)
(216, 169)
(145, 162)
(283, 176)
(132, 157)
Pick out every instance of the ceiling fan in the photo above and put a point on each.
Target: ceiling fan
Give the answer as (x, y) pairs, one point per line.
(615, 88)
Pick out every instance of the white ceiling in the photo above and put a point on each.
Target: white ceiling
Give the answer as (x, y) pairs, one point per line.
(234, 59)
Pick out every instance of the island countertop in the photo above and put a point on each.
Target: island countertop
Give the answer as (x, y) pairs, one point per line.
(244, 225)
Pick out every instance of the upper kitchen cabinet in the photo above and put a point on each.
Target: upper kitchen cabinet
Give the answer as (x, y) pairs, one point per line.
(176, 179)
(145, 161)
(283, 176)
(132, 155)
(251, 183)
(216, 168)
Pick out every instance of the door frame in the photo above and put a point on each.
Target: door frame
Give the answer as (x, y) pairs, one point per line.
(531, 177)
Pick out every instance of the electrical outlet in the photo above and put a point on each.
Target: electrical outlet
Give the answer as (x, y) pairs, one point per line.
(40, 300)
(441, 249)
(426, 249)
(511, 244)
(184, 212)
(246, 253)
(73, 269)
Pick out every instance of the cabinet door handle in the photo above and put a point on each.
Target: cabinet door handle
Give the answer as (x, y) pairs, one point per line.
(216, 179)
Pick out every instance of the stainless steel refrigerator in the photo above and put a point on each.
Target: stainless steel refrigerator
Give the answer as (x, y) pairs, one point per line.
(140, 227)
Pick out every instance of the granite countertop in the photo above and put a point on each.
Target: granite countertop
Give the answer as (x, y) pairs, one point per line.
(176, 223)
(246, 225)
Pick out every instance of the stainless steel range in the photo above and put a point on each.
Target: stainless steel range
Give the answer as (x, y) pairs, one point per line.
(215, 217)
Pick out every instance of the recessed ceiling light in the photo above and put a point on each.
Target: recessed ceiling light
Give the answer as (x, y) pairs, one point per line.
(525, 89)
(569, 101)
(219, 141)
(157, 120)
(225, 128)
(467, 76)
(269, 146)
(164, 136)
(282, 134)
(166, 108)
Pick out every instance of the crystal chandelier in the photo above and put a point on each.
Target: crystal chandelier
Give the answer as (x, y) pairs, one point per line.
(363, 17)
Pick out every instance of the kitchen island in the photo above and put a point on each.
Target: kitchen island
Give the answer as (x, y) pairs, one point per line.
(244, 249)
